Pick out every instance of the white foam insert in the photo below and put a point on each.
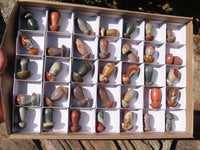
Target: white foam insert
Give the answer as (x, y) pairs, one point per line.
(115, 77)
(138, 34)
(32, 119)
(177, 51)
(35, 66)
(136, 48)
(111, 120)
(57, 39)
(64, 74)
(90, 45)
(138, 101)
(36, 37)
(114, 93)
(39, 14)
(159, 55)
(181, 99)
(26, 87)
(60, 119)
(148, 101)
(181, 80)
(90, 77)
(113, 48)
(66, 20)
(137, 120)
(48, 89)
(157, 120)
(179, 31)
(89, 91)
(87, 121)
(67, 35)
(179, 121)
(138, 78)
(91, 19)
(111, 22)
(158, 76)
(159, 31)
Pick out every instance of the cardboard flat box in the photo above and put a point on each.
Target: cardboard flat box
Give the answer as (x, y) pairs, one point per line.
(96, 17)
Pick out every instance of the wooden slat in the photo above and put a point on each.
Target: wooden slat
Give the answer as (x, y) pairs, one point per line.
(57, 145)
(128, 145)
(121, 144)
(64, 144)
(74, 144)
(167, 144)
(103, 144)
(153, 143)
(87, 145)
(47, 144)
(140, 145)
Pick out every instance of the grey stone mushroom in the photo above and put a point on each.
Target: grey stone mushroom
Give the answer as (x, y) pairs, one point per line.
(169, 118)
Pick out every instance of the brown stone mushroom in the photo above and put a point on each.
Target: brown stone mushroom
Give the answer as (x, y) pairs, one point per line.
(78, 94)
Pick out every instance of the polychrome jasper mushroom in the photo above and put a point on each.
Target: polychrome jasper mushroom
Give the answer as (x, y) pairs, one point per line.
(100, 119)
(54, 70)
(147, 122)
(75, 117)
(57, 94)
(175, 60)
(155, 97)
(102, 31)
(54, 51)
(126, 49)
(148, 72)
(130, 28)
(107, 71)
(173, 95)
(112, 32)
(22, 113)
(149, 29)
(23, 99)
(55, 17)
(109, 32)
(79, 95)
(24, 72)
(48, 115)
(170, 37)
(49, 102)
(84, 69)
(126, 78)
(172, 76)
(27, 43)
(168, 123)
(130, 94)
(31, 22)
(126, 125)
(104, 49)
(149, 51)
(83, 26)
(105, 98)
(82, 49)
(169, 59)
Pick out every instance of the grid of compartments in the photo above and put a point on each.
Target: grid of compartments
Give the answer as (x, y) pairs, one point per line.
(113, 117)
